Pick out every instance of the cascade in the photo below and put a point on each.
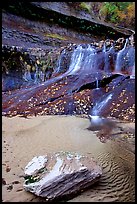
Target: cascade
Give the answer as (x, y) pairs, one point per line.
(106, 59)
(133, 70)
(36, 75)
(104, 47)
(130, 60)
(27, 76)
(132, 76)
(97, 83)
(125, 59)
(60, 60)
(83, 58)
(121, 58)
(100, 105)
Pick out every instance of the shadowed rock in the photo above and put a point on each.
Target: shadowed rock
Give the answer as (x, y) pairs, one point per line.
(60, 175)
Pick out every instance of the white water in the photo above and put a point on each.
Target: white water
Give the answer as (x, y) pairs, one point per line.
(97, 83)
(27, 76)
(104, 47)
(60, 60)
(106, 57)
(82, 58)
(121, 57)
(96, 119)
(130, 57)
(133, 70)
(132, 76)
(100, 105)
(36, 75)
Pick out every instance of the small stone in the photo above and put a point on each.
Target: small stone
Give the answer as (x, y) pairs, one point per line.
(3, 181)
(15, 182)
(10, 187)
(8, 168)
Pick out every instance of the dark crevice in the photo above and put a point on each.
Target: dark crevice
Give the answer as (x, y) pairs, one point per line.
(49, 100)
(102, 83)
(32, 12)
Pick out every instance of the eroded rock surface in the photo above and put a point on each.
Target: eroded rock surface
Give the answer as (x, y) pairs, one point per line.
(60, 175)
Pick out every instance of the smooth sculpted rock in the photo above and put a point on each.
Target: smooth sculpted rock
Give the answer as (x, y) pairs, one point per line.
(60, 175)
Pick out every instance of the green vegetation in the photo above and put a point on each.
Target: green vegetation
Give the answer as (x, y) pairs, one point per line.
(118, 12)
(85, 6)
(52, 35)
(31, 179)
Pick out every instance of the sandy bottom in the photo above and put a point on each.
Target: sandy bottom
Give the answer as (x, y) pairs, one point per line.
(22, 139)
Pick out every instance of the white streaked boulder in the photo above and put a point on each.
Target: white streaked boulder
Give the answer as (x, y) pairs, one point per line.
(61, 174)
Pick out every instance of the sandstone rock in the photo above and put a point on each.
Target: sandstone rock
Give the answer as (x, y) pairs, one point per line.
(55, 176)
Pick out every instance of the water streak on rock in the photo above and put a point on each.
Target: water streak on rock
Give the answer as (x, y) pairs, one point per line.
(100, 105)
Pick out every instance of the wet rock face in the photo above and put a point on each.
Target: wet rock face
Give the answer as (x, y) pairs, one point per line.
(22, 67)
(72, 95)
(119, 100)
(76, 78)
(61, 175)
(71, 10)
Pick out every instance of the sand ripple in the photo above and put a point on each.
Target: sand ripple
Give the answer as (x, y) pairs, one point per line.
(25, 138)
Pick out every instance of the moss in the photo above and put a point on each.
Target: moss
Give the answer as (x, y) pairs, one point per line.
(53, 35)
(85, 6)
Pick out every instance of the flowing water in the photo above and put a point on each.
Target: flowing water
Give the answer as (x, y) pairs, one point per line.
(60, 60)
(85, 59)
(121, 57)
(100, 105)
(97, 83)
(133, 71)
(82, 59)
(125, 59)
(108, 56)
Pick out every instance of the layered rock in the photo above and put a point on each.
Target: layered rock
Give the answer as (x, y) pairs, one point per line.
(60, 175)
(43, 77)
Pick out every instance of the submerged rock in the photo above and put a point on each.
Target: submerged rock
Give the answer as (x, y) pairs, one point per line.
(55, 176)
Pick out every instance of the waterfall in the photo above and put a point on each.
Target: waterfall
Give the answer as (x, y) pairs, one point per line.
(125, 59)
(97, 83)
(106, 60)
(36, 75)
(100, 105)
(133, 70)
(82, 58)
(104, 47)
(130, 60)
(60, 60)
(121, 58)
(132, 76)
(27, 76)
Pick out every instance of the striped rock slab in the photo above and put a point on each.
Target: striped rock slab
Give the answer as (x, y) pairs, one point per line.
(60, 175)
